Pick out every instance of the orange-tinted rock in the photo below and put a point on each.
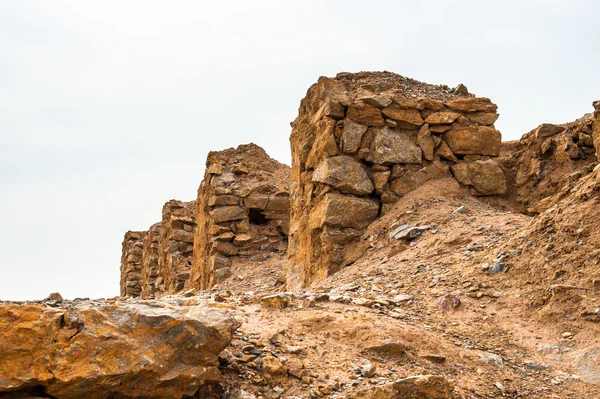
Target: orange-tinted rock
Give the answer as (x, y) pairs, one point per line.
(407, 117)
(486, 177)
(389, 146)
(97, 351)
(479, 140)
(345, 174)
(442, 118)
(472, 104)
(365, 114)
(343, 211)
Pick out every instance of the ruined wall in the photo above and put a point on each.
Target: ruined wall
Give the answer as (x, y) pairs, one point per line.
(243, 209)
(361, 142)
(176, 245)
(550, 156)
(131, 263)
(151, 261)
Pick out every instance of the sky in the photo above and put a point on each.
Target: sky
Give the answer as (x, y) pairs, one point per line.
(109, 108)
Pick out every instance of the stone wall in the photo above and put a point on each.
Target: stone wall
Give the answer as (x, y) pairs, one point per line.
(131, 264)
(244, 206)
(176, 245)
(151, 261)
(361, 142)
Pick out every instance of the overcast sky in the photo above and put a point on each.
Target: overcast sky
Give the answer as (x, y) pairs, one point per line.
(108, 108)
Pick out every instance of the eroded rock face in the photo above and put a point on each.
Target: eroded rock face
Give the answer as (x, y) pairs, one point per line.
(547, 158)
(104, 350)
(416, 387)
(361, 142)
(243, 206)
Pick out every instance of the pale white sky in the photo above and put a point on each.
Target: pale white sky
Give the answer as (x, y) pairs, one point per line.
(108, 108)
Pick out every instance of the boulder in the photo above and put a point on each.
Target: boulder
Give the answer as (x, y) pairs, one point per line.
(486, 177)
(409, 180)
(389, 146)
(343, 211)
(98, 350)
(344, 173)
(478, 140)
(546, 130)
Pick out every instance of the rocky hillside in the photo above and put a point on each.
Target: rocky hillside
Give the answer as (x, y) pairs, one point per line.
(407, 253)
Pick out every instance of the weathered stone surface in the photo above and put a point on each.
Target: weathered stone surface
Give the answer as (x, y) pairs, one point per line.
(417, 387)
(377, 100)
(483, 118)
(408, 117)
(546, 130)
(343, 211)
(409, 180)
(472, 104)
(352, 136)
(479, 140)
(365, 114)
(442, 118)
(99, 351)
(425, 142)
(345, 174)
(389, 146)
(486, 177)
(444, 152)
(228, 213)
(220, 200)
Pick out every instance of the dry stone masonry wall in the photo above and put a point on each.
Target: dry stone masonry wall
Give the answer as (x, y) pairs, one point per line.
(244, 206)
(131, 263)
(151, 261)
(361, 142)
(176, 245)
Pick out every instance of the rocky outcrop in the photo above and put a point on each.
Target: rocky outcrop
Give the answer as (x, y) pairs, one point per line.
(131, 263)
(361, 142)
(542, 161)
(176, 245)
(101, 350)
(243, 206)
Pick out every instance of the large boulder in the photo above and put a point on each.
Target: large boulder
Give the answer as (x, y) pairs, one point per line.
(345, 174)
(103, 350)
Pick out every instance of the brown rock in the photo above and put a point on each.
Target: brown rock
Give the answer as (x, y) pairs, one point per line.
(228, 213)
(425, 142)
(343, 211)
(273, 370)
(365, 114)
(112, 350)
(482, 118)
(444, 152)
(407, 117)
(377, 100)
(481, 140)
(449, 302)
(409, 180)
(345, 174)
(380, 179)
(486, 177)
(417, 387)
(218, 261)
(256, 201)
(472, 104)
(352, 135)
(389, 146)
(220, 200)
(442, 118)
(546, 130)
